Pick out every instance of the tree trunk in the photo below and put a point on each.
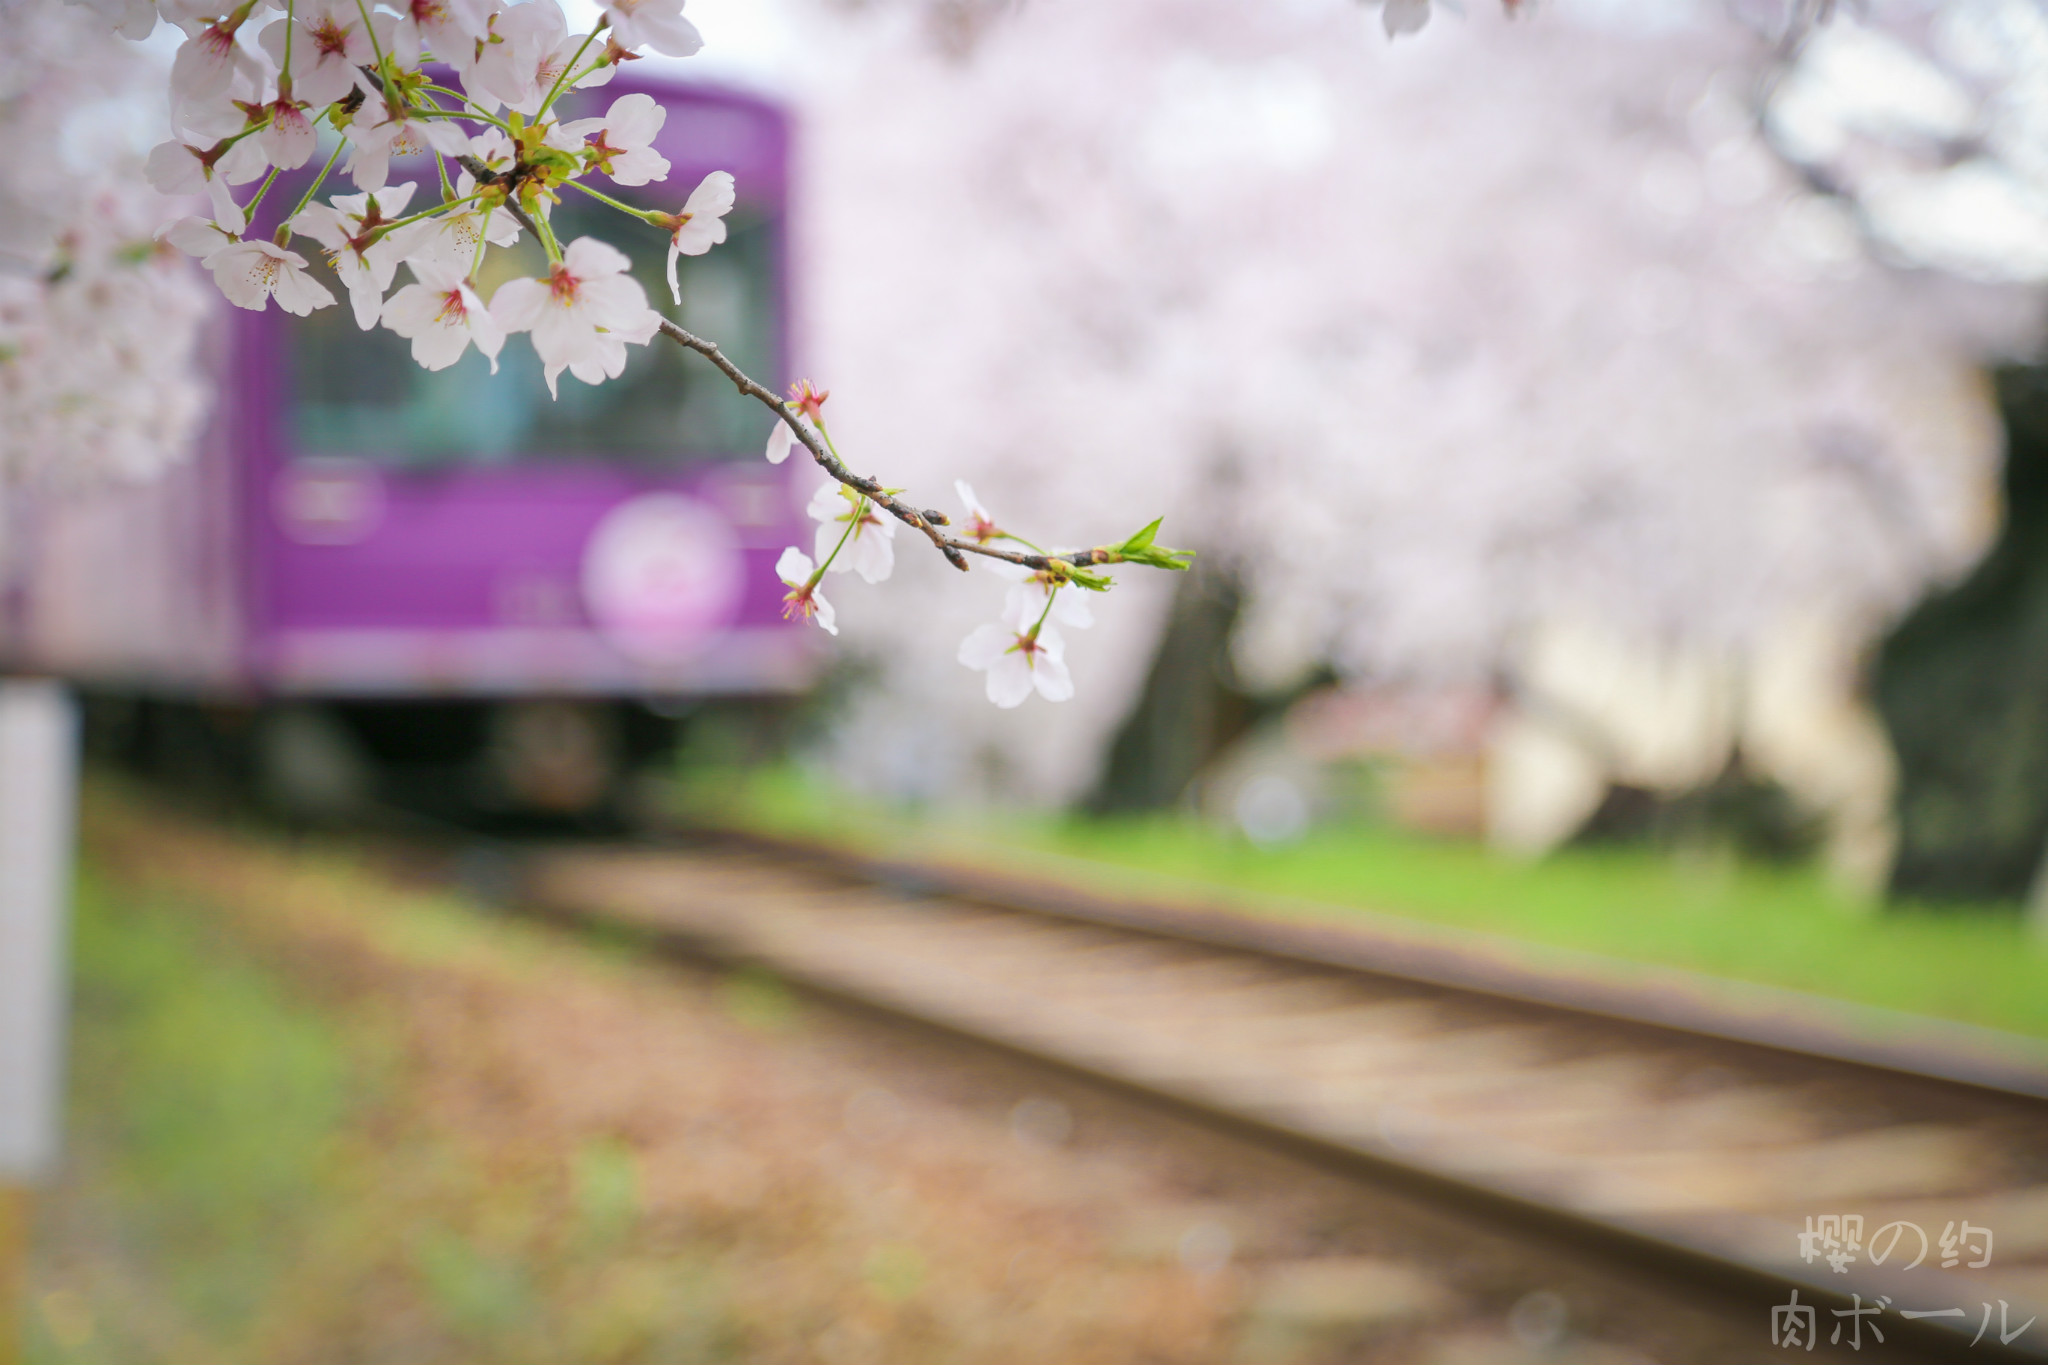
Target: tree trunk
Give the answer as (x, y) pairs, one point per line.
(1962, 685)
(1191, 705)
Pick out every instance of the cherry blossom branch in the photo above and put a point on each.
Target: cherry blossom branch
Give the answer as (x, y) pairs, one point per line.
(586, 307)
(928, 521)
(484, 175)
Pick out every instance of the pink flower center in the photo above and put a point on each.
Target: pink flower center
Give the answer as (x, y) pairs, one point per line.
(562, 286)
(799, 603)
(809, 401)
(601, 154)
(330, 39)
(454, 312)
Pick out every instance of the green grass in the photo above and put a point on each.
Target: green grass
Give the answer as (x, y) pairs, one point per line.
(1776, 925)
(254, 1174)
(206, 1106)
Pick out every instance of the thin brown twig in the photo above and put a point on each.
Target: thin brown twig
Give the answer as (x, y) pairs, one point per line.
(484, 175)
(952, 547)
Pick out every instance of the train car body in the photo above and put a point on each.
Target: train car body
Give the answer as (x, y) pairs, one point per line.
(359, 535)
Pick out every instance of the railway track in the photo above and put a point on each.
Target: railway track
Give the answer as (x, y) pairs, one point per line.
(1798, 1160)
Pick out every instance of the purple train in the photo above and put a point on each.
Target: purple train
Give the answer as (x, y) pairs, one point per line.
(374, 577)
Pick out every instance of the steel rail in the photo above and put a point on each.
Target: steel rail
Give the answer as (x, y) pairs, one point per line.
(1715, 1254)
(1803, 1026)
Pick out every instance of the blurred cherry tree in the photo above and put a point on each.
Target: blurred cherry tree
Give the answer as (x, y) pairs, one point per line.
(1474, 358)
(98, 323)
(1929, 122)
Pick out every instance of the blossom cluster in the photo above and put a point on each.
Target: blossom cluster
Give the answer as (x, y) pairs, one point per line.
(84, 292)
(106, 306)
(1023, 653)
(475, 87)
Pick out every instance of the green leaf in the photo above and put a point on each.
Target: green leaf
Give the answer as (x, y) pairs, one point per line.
(1090, 579)
(1142, 539)
(1159, 557)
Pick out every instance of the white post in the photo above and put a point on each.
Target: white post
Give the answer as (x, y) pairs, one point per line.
(38, 804)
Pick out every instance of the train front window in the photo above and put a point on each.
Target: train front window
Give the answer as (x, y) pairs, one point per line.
(359, 393)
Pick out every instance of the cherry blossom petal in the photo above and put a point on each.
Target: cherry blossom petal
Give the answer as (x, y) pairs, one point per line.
(518, 303)
(250, 273)
(194, 236)
(872, 551)
(633, 120)
(658, 24)
(205, 64)
(794, 567)
(175, 168)
(1050, 676)
(442, 316)
(289, 140)
(587, 257)
(1026, 601)
(987, 644)
(1009, 680)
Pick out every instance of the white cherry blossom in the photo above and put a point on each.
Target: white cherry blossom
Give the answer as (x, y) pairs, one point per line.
(195, 236)
(330, 45)
(1019, 655)
(555, 61)
(378, 135)
(452, 238)
(99, 382)
(1026, 599)
(132, 19)
(494, 149)
(867, 548)
(701, 224)
(510, 49)
(288, 139)
(251, 272)
(178, 168)
(364, 259)
(207, 62)
(618, 144)
(190, 15)
(529, 48)
(581, 316)
(981, 528)
(658, 24)
(442, 315)
(805, 404)
(450, 29)
(207, 118)
(805, 600)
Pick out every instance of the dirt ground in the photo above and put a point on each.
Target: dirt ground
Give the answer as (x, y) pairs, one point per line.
(563, 1150)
